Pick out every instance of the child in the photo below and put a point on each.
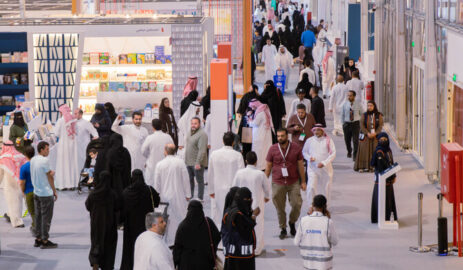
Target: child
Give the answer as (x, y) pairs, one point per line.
(26, 184)
(316, 235)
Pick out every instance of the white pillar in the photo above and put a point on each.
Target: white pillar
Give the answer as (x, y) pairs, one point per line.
(364, 26)
(431, 124)
(379, 61)
(22, 8)
(400, 126)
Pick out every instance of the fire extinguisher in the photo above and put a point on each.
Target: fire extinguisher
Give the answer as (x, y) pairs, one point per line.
(369, 92)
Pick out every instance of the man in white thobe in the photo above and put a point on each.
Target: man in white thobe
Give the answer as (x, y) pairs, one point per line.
(134, 135)
(84, 129)
(268, 59)
(67, 172)
(259, 185)
(172, 182)
(357, 85)
(284, 61)
(318, 54)
(319, 151)
(337, 99)
(223, 164)
(151, 252)
(153, 149)
(329, 73)
(310, 72)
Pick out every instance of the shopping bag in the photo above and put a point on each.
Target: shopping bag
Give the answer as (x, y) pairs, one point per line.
(279, 79)
(246, 135)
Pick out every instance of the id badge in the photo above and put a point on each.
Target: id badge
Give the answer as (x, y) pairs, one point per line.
(302, 137)
(284, 172)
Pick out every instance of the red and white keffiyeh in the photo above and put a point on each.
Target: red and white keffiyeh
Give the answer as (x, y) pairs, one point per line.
(11, 159)
(66, 112)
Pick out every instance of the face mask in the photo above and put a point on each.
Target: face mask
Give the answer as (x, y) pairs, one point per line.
(383, 143)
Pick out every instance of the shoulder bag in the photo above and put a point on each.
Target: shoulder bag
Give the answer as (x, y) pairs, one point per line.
(217, 260)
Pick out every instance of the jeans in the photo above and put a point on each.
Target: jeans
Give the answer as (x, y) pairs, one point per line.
(279, 193)
(351, 133)
(199, 175)
(30, 207)
(43, 215)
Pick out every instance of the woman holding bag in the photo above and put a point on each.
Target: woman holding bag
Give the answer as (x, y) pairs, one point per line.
(196, 241)
(371, 123)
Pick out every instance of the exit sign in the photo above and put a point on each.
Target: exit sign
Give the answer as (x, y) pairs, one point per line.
(454, 77)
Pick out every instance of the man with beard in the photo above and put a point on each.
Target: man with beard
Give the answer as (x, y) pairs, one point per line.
(285, 162)
(269, 52)
(134, 136)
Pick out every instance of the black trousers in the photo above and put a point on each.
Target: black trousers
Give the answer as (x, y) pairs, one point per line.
(351, 133)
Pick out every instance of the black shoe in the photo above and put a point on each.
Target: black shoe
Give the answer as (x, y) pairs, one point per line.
(20, 226)
(48, 244)
(292, 228)
(7, 218)
(37, 243)
(349, 155)
(283, 233)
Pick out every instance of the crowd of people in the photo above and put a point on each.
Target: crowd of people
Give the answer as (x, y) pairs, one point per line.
(282, 155)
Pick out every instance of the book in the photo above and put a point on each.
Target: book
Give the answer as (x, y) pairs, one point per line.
(104, 58)
(131, 58)
(94, 58)
(122, 59)
(140, 58)
(104, 86)
(85, 59)
(149, 58)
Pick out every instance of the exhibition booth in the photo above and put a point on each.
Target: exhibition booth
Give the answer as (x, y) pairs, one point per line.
(131, 62)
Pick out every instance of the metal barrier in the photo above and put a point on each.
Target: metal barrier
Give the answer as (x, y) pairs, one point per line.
(420, 248)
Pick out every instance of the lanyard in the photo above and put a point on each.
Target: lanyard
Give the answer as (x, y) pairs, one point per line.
(303, 125)
(287, 151)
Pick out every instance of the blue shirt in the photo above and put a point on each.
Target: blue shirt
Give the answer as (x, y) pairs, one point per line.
(357, 111)
(39, 169)
(25, 175)
(308, 39)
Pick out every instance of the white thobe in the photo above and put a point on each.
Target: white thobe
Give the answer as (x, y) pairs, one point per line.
(259, 185)
(359, 88)
(337, 98)
(318, 54)
(319, 179)
(152, 253)
(133, 137)
(261, 139)
(67, 171)
(223, 164)
(184, 124)
(268, 58)
(153, 150)
(284, 61)
(309, 72)
(83, 131)
(13, 196)
(296, 102)
(329, 76)
(172, 182)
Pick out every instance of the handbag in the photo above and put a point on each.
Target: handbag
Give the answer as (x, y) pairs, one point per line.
(218, 262)
(152, 199)
(246, 135)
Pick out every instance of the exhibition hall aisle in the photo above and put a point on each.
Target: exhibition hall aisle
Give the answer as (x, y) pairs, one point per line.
(361, 244)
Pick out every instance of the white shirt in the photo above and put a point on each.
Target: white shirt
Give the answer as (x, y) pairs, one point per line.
(296, 102)
(256, 181)
(356, 85)
(83, 131)
(338, 97)
(152, 253)
(311, 74)
(153, 150)
(133, 138)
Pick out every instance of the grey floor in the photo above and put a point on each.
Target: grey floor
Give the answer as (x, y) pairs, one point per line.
(361, 244)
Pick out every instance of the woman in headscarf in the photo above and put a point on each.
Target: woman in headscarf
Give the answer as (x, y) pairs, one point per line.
(103, 203)
(139, 199)
(347, 68)
(109, 107)
(196, 240)
(101, 120)
(169, 125)
(306, 85)
(67, 171)
(371, 123)
(118, 163)
(206, 103)
(275, 101)
(237, 231)
(17, 132)
(260, 120)
(192, 96)
(229, 199)
(190, 85)
(10, 163)
(381, 160)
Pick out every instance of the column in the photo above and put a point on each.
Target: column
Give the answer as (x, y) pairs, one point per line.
(219, 101)
(400, 125)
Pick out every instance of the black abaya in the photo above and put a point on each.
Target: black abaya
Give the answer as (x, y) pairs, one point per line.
(192, 249)
(274, 99)
(242, 109)
(137, 203)
(118, 163)
(318, 110)
(103, 203)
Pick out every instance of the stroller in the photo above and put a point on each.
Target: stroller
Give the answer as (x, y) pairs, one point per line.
(87, 171)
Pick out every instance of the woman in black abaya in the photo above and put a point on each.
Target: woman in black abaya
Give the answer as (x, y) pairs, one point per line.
(139, 199)
(274, 99)
(192, 249)
(381, 160)
(118, 163)
(103, 203)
